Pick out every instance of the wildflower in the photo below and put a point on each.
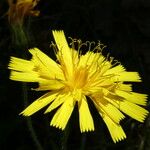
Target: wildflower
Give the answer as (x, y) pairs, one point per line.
(75, 77)
(21, 8)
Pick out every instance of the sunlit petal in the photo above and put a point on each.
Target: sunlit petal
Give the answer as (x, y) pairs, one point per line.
(63, 114)
(39, 103)
(86, 121)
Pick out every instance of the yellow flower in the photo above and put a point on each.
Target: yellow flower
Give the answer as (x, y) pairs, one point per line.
(73, 78)
(21, 8)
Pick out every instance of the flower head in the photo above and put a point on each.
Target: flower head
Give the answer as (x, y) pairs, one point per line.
(73, 78)
(21, 8)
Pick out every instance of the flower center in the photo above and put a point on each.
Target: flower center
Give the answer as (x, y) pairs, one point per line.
(79, 78)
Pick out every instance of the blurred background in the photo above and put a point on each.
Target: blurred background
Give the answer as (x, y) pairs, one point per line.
(122, 25)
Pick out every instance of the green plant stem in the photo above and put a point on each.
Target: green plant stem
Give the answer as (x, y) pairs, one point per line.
(29, 121)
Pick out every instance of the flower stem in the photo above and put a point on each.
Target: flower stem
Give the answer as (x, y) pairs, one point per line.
(29, 121)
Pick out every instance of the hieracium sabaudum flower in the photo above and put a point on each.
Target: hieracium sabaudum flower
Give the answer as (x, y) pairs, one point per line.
(73, 78)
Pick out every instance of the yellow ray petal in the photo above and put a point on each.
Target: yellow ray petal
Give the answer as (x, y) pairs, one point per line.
(128, 76)
(39, 104)
(77, 94)
(50, 85)
(106, 65)
(125, 87)
(112, 112)
(75, 56)
(86, 120)
(19, 64)
(115, 70)
(65, 53)
(57, 102)
(63, 114)
(133, 110)
(24, 76)
(52, 69)
(133, 97)
(115, 130)
(88, 59)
